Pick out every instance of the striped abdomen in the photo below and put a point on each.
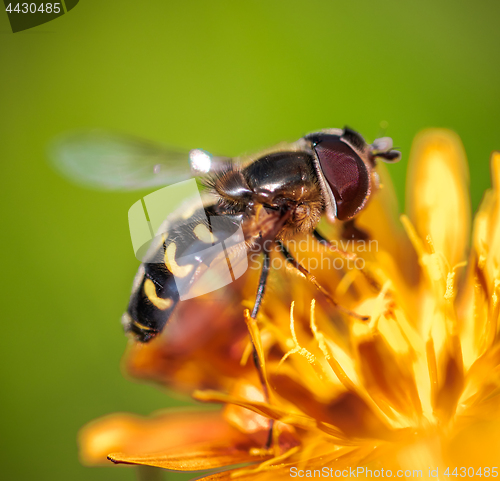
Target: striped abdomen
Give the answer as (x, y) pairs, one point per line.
(155, 293)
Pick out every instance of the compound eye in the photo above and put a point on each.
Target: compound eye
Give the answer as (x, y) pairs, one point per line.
(346, 174)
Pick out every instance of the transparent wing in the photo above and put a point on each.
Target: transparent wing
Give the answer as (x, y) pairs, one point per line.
(110, 161)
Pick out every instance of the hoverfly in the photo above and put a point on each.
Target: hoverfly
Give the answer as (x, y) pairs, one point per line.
(273, 195)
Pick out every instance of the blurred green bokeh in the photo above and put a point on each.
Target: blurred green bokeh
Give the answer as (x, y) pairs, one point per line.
(229, 78)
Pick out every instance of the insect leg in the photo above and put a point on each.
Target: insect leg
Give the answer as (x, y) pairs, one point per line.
(262, 283)
(266, 263)
(292, 261)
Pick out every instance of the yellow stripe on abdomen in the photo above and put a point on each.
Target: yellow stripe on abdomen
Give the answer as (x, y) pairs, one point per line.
(150, 291)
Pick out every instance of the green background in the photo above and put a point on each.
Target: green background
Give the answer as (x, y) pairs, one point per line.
(229, 77)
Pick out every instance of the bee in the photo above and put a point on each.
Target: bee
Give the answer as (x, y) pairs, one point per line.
(272, 196)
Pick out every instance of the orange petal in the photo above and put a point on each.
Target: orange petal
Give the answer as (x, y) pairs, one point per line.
(380, 365)
(347, 411)
(482, 383)
(381, 220)
(133, 435)
(246, 421)
(271, 411)
(437, 189)
(195, 457)
(488, 245)
(481, 290)
(450, 388)
(270, 474)
(299, 464)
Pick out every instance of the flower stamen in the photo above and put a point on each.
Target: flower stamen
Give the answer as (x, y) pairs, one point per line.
(297, 349)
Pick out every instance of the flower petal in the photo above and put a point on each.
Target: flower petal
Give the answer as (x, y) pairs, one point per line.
(348, 411)
(486, 240)
(381, 220)
(195, 457)
(133, 435)
(437, 189)
(380, 366)
(284, 414)
(479, 294)
(303, 466)
(493, 261)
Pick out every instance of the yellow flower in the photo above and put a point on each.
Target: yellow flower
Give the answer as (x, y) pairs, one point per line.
(414, 390)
